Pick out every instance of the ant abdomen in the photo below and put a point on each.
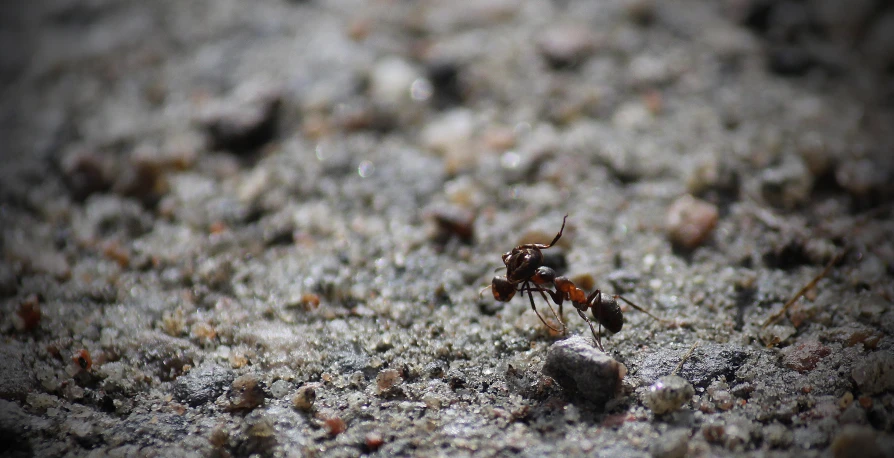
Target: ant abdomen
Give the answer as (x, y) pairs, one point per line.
(608, 312)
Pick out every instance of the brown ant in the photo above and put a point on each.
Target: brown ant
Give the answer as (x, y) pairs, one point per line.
(525, 272)
(522, 266)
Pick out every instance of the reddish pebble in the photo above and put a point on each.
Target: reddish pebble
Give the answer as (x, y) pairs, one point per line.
(374, 440)
(336, 426)
(805, 356)
(690, 221)
(29, 312)
(82, 360)
(865, 402)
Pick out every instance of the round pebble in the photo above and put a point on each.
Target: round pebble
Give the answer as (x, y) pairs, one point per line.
(668, 394)
(690, 221)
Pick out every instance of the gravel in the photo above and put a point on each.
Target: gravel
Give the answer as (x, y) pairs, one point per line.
(269, 225)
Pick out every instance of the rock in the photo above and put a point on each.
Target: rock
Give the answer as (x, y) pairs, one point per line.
(579, 367)
(16, 378)
(856, 442)
(304, 398)
(706, 363)
(668, 394)
(853, 334)
(280, 388)
(804, 356)
(202, 384)
(245, 120)
(690, 221)
(386, 380)
(246, 393)
(875, 373)
(14, 426)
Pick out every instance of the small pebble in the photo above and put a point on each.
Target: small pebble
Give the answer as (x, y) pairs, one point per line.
(373, 441)
(580, 367)
(305, 397)
(387, 379)
(335, 426)
(390, 81)
(202, 384)
(566, 45)
(246, 393)
(690, 221)
(280, 388)
(804, 356)
(668, 394)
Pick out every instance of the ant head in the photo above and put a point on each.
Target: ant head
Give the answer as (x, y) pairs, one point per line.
(503, 290)
(523, 263)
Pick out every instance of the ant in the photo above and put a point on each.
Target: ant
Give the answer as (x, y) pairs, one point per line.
(522, 266)
(525, 272)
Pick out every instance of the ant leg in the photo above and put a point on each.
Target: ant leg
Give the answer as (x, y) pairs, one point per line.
(482, 290)
(542, 246)
(638, 308)
(534, 307)
(558, 317)
(594, 300)
(559, 235)
(595, 335)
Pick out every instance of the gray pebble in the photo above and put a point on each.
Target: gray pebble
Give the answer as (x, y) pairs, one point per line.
(16, 378)
(580, 367)
(14, 424)
(202, 384)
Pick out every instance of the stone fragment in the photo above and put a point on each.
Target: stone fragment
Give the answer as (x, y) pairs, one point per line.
(579, 367)
(202, 384)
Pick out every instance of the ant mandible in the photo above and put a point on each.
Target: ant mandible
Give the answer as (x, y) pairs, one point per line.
(525, 272)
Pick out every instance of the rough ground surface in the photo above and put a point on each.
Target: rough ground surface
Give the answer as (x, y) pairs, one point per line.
(267, 223)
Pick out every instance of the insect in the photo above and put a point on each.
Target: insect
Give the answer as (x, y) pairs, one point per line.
(525, 272)
(523, 264)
